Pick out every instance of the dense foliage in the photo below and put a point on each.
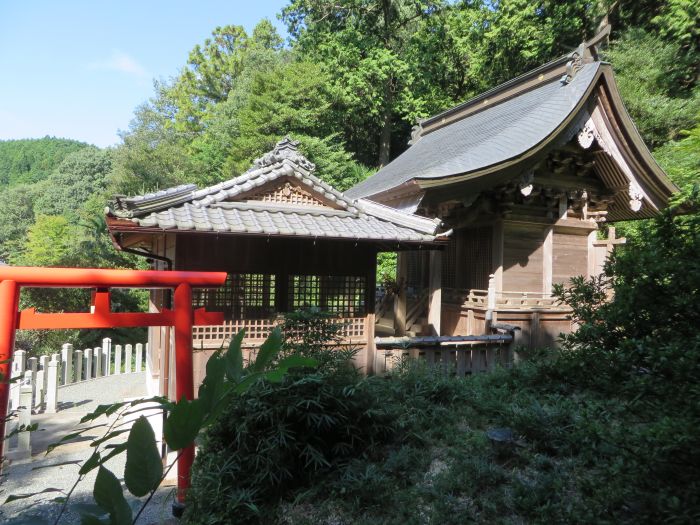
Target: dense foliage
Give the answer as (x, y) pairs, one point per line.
(31, 160)
(601, 431)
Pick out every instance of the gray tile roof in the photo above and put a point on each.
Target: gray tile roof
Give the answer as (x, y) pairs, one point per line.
(263, 218)
(214, 209)
(494, 135)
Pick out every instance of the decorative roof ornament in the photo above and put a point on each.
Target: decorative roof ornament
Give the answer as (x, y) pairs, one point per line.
(588, 134)
(636, 196)
(285, 149)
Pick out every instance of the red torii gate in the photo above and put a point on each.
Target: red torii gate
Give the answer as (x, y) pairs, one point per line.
(182, 318)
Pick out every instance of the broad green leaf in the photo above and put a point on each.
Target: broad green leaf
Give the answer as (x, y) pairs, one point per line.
(234, 358)
(15, 497)
(213, 387)
(268, 350)
(183, 424)
(297, 361)
(103, 410)
(108, 436)
(276, 375)
(91, 462)
(143, 465)
(88, 509)
(247, 382)
(70, 436)
(116, 450)
(108, 494)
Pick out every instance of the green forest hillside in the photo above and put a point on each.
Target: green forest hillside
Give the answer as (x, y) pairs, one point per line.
(32, 160)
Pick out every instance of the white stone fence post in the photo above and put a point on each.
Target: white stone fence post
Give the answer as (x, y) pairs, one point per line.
(44, 375)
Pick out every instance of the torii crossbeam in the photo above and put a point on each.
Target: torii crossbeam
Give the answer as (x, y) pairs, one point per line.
(181, 317)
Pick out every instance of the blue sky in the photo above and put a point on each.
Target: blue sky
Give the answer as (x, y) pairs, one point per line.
(77, 69)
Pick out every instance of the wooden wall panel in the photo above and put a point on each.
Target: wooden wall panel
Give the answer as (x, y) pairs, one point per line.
(523, 257)
(274, 255)
(569, 257)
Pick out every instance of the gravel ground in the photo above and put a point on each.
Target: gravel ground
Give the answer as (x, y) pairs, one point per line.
(40, 471)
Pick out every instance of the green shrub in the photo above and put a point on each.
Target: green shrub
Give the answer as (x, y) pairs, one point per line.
(278, 438)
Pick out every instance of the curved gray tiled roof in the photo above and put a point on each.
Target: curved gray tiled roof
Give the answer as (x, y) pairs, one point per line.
(484, 138)
(185, 208)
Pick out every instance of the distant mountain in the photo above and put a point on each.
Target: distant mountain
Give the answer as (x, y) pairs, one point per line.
(32, 160)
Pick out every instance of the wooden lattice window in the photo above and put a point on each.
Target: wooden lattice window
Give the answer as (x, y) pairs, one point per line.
(416, 269)
(243, 296)
(343, 296)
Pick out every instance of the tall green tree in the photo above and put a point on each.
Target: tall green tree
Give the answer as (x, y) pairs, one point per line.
(361, 45)
(649, 84)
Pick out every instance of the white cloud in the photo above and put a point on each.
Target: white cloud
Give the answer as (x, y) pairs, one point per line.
(122, 63)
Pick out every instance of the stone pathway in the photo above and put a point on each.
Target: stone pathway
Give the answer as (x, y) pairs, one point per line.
(40, 471)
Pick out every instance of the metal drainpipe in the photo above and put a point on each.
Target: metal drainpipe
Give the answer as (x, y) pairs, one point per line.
(168, 303)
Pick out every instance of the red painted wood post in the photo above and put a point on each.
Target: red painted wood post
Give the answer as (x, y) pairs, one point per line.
(9, 305)
(184, 380)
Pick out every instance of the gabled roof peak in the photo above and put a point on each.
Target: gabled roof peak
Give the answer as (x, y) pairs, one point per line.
(285, 149)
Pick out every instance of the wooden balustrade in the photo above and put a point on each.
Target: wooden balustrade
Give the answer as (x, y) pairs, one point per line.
(504, 300)
(466, 360)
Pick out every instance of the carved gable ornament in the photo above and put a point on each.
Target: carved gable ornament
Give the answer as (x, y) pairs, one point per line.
(286, 192)
(595, 129)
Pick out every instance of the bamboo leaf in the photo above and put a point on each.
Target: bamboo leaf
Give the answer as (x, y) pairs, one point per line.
(143, 466)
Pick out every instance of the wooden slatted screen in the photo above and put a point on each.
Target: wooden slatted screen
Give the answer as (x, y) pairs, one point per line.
(478, 261)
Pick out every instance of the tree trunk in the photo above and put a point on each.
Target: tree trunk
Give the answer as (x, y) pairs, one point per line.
(385, 135)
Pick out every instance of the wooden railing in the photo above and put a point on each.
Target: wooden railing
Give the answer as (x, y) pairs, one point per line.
(481, 357)
(353, 332)
(503, 300)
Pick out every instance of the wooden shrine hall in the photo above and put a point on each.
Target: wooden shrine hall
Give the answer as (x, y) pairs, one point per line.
(287, 240)
(525, 175)
(494, 202)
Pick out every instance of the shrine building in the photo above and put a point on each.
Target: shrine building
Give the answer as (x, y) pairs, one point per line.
(494, 202)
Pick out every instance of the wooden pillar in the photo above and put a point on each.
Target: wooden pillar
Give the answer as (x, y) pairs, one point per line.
(282, 292)
(497, 255)
(400, 298)
(591, 267)
(547, 260)
(370, 301)
(435, 292)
